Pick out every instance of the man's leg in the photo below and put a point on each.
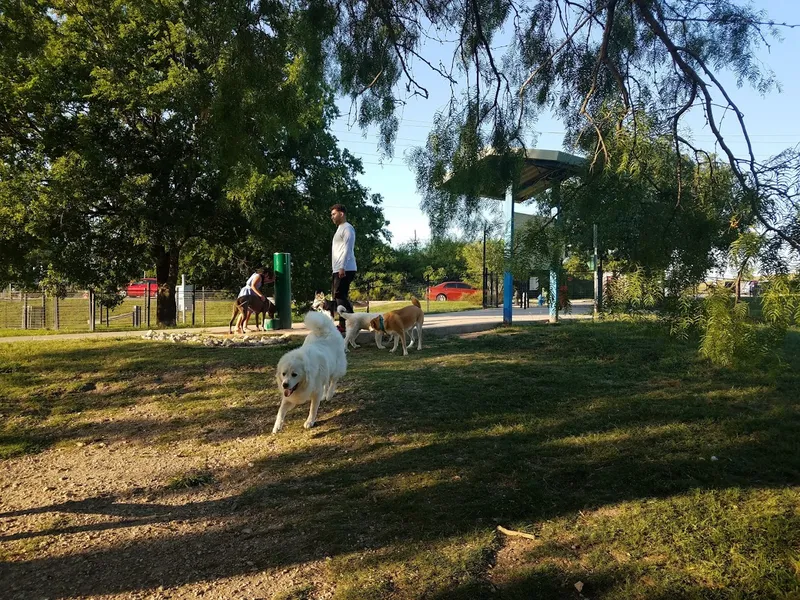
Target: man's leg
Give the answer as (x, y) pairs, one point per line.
(334, 293)
(342, 292)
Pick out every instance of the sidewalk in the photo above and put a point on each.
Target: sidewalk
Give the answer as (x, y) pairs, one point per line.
(469, 321)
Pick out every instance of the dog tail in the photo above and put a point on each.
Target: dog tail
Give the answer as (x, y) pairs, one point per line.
(319, 323)
(415, 302)
(342, 310)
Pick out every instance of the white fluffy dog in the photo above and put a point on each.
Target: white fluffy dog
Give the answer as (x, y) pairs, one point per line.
(310, 373)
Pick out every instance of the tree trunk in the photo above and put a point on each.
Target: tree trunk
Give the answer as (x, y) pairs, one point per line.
(167, 277)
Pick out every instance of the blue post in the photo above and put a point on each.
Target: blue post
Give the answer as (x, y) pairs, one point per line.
(555, 268)
(508, 277)
(552, 297)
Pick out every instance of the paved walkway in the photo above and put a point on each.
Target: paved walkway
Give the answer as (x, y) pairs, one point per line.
(469, 321)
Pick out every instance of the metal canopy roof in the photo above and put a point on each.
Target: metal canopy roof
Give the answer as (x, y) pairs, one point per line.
(540, 170)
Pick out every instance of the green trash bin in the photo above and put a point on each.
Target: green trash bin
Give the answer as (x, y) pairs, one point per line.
(283, 290)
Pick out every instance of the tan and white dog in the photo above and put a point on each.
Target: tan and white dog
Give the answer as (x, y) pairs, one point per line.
(397, 322)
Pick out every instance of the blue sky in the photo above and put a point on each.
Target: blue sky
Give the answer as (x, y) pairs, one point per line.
(772, 121)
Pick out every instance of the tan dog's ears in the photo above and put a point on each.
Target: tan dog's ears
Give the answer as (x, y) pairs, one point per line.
(373, 324)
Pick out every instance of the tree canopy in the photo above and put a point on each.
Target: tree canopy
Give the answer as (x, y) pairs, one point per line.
(132, 130)
(601, 66)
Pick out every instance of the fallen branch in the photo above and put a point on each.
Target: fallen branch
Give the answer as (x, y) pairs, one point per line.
(511, 532)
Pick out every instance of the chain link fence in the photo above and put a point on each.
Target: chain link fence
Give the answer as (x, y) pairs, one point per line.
(81, 311)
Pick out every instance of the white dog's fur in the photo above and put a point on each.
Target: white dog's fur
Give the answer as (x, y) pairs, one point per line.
(311, 372)
(355, 322)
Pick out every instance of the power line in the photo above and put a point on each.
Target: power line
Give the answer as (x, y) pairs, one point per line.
(383, 164)
(793, 136)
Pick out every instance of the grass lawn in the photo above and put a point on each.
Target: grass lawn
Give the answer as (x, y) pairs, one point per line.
(641, 471)
(431, 307)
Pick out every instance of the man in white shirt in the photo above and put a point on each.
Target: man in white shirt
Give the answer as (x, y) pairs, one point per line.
(343, 261)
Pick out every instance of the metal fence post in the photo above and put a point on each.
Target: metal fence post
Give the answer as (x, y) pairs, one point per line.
(427, 294)
(25, 310)
(56, 322)
(91, 310)
(147, 304)
(204, 305)
(194, 304)
(180, 298)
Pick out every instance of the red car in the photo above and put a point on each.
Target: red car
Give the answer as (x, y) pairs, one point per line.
(138, 289)
(451, 290)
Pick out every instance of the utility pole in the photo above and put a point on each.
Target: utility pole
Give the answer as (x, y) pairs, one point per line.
(484, 265)
(598, 274)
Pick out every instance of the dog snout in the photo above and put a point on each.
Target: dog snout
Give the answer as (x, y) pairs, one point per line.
(285, 384)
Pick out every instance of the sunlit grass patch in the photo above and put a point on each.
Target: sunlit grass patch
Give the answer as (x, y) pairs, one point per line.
(641, 470)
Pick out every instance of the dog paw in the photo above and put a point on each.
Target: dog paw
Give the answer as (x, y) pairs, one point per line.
(308, 424)
(275, 430)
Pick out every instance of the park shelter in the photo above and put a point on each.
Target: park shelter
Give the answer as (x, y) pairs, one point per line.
(535, 172)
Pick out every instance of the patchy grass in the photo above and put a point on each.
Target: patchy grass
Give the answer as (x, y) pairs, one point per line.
(431, 307)
(192, 479)
(642, 471)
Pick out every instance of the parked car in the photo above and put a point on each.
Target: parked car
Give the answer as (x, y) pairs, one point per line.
(451, 290)
(137, 289)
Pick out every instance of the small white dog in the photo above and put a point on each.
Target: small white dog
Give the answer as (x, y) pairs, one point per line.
(355, 322)
(310, 373)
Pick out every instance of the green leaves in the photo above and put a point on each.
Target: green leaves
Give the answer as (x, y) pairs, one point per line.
(780, 301)
(138, 128)
(728, 336)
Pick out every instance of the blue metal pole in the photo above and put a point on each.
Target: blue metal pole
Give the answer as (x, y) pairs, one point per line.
(553, 295)
(508, 277)
(555, 268)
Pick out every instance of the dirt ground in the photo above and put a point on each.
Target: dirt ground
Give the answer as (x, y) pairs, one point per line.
(108, 519)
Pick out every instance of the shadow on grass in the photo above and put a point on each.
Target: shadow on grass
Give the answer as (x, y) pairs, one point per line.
(523, 426)
(48, 392)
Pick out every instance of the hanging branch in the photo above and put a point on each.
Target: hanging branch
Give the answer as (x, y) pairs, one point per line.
(687, 69)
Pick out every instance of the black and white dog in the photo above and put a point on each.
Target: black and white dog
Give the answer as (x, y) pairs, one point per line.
(322, 304)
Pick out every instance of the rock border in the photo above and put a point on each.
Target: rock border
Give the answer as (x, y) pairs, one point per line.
(215, 341)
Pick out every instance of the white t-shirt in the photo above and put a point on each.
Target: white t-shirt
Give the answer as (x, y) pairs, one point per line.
(342, 256)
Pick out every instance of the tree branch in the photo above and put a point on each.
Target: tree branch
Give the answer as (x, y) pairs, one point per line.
(675, 53)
